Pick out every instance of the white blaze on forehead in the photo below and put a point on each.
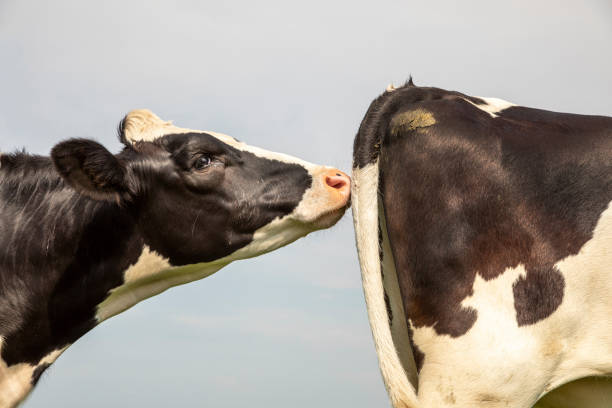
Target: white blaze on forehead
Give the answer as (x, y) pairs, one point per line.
(142, 125)
(492, 105)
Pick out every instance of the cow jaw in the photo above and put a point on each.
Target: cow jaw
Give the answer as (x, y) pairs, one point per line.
(153, 273)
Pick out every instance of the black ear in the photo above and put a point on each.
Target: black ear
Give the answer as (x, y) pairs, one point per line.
(91, 169)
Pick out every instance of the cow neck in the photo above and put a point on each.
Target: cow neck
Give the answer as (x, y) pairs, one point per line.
(60, 256)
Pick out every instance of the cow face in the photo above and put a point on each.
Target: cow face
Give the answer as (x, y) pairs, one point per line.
(202, 196)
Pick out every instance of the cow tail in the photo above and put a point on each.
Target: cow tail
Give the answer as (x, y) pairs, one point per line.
(365, 203)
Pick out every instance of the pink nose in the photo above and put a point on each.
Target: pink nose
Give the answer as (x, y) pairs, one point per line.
(338, 181)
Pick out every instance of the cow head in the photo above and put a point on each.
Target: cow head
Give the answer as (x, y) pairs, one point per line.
(201, 196)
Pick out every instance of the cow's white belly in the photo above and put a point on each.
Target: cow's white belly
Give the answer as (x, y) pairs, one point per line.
(499, 364)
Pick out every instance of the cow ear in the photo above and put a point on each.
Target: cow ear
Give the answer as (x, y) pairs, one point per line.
(91, 170)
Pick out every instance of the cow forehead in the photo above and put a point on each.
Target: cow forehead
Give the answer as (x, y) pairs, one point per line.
(142, 125)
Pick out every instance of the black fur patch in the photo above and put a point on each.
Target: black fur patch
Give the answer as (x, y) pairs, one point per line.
(537, 295)
(389, 310)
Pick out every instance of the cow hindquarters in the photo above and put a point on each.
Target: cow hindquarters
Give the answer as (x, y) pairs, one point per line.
(499, 363)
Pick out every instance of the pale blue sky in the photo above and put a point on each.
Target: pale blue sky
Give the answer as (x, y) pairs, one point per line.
(288, 328)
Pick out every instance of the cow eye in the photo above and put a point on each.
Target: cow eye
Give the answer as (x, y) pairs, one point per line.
(202, 162)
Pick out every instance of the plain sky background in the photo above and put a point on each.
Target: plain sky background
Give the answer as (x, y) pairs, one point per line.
(288, 329)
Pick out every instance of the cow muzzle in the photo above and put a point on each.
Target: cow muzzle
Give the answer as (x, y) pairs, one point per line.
(327, 199)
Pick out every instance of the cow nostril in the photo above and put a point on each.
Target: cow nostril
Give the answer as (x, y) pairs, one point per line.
(335, 181)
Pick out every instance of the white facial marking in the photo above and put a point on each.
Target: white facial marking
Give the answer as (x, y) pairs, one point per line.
(528, 361)
(16, 380)
(144, 125)
(365, 216)
(492, 106)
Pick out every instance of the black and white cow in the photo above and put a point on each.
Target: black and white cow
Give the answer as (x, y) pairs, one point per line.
(86, 234)
(484, 232)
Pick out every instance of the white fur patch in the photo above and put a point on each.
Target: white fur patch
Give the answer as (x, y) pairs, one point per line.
(143, 125)
(149, 276)
(149, 263)
(492, 106)
(497, 363)
(153, 274)
(16, 380)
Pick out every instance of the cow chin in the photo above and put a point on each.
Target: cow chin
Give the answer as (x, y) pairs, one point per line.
(281, 232)
(329, 219)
